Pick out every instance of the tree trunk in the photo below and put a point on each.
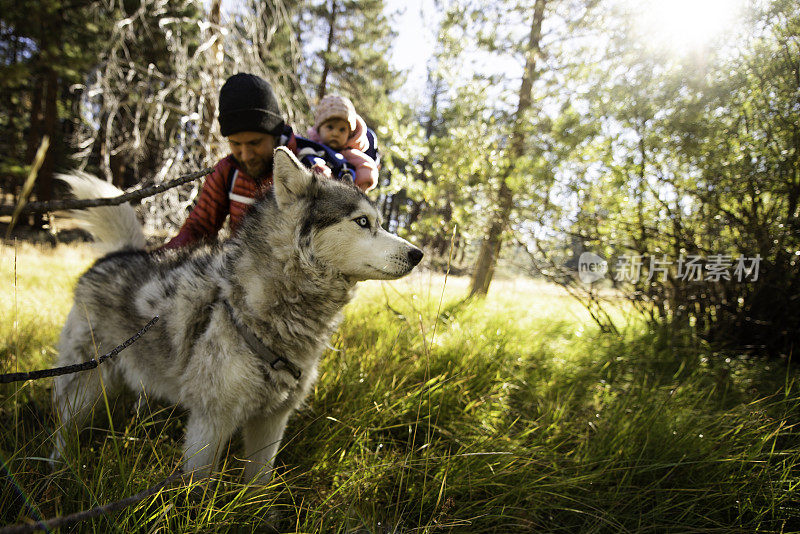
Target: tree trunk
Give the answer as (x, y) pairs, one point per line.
(118, 169)
(493, 242)
(34, 136)
(414, 212)
(44, 180)
(398, 201)
(35, 130)
(322, 88)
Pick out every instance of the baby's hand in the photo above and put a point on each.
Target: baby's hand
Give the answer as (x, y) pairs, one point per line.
(321, 168)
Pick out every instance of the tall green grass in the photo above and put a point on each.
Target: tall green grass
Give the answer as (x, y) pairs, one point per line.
(433, 414)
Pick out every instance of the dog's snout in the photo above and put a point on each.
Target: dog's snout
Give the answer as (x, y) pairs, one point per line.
(414, 256)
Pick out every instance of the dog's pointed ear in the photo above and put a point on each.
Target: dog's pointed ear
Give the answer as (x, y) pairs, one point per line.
(290, 179)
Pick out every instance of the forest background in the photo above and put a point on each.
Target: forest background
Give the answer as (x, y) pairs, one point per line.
(663, 140)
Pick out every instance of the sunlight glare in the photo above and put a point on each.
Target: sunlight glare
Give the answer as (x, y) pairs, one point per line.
(685, 25)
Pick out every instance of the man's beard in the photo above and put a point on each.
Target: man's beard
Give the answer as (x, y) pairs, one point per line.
(258, 169)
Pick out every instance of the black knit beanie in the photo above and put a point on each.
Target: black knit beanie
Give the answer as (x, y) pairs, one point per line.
(248, 104)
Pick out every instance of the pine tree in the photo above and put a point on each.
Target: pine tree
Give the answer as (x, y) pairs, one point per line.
(357, 38)
(45, 51)
(499, 220)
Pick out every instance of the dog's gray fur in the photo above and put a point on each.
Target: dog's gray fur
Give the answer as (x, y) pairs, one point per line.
(286, 277)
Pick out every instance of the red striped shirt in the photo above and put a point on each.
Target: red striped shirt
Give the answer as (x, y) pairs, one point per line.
(227, 191)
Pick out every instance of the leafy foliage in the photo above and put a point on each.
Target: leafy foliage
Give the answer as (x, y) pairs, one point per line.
(699, 160)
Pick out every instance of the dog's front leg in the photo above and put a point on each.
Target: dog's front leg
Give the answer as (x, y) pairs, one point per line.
(262, 439)
(205, 437)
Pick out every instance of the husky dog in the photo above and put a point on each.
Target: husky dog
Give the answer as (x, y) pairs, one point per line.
(242, 324)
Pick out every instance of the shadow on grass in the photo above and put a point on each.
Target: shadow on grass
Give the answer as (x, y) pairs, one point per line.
(500, 426)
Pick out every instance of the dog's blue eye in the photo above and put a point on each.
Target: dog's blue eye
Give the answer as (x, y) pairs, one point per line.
(362, 221)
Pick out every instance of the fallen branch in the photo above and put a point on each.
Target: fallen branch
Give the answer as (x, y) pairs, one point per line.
(74, 204)
(74, 368)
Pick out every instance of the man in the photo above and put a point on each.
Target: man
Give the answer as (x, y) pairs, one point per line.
(252, 121)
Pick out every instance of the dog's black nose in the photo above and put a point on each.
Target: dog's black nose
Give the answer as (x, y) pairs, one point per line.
(414, 256)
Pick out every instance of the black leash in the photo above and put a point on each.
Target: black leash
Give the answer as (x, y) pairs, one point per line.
(74, 368)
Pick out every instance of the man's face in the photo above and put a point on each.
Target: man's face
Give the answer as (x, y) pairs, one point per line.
(334, 133)
(253, 150)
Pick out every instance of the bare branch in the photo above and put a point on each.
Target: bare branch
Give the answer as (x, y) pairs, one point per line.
(587, 296)
(138, 194)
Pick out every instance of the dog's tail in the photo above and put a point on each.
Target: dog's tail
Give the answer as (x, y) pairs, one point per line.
(113, 227)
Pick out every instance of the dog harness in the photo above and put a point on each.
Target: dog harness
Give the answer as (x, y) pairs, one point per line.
(277, 362)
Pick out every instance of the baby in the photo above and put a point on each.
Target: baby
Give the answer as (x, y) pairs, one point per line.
(337, 125)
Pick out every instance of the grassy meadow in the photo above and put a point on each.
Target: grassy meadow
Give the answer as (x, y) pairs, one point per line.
(511, 414)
